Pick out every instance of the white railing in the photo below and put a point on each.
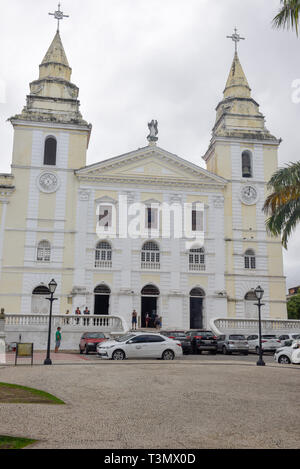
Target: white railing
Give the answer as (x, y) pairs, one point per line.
(103, 264)
(75, 322)
(275, 326)
(196, 267)
(150, 265)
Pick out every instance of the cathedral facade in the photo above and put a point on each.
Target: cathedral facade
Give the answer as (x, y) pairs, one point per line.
(146, 230)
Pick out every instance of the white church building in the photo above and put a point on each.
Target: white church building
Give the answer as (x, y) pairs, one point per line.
(146, 230)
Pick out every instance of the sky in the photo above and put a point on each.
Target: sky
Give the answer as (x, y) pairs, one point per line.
(138, 60)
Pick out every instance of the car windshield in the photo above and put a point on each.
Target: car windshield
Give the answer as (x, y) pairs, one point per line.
(95, 335)
(123, 338)
(296, 336)
(237, 337)
(269, 336)
(176, 334)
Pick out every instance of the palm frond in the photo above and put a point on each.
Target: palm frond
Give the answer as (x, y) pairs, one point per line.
(283, 204)
(288, 16)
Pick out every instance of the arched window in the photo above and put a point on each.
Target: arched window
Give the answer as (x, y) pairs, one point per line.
(103, 255)
(43, 251)
(249, 259)
(150, 256)
(247, 164)
(39, 302)
(250, 301)
(197, 259)
(50, 151)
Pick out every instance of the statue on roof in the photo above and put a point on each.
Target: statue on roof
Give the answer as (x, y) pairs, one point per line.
(153, 127)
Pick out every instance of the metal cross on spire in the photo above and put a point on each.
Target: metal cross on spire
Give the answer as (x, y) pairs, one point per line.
(59, 15)
(236, 38)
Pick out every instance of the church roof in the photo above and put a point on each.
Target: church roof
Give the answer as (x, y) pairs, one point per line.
(56, 52)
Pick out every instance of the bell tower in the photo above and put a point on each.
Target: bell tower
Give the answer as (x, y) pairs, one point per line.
(50, 143)
(243, 151)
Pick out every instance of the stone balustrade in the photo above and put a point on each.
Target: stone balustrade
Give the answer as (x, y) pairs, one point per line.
(34, 328)
(250, 326)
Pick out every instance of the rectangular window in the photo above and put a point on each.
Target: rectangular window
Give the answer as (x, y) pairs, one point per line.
(197, 220)
(105, 216)
(151, 218)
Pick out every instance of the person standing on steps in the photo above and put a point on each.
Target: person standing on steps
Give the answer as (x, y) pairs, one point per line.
(134, 320)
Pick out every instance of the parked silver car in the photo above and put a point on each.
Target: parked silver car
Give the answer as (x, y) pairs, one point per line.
(229, 343)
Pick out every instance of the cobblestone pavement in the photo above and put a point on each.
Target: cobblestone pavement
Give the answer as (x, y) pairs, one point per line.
(188, 403)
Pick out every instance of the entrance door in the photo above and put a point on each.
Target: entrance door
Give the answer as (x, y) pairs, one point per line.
(196, 308)
(101, 304)
(149, 304)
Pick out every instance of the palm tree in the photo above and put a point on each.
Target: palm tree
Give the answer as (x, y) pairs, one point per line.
(288, 16)
(283, 204)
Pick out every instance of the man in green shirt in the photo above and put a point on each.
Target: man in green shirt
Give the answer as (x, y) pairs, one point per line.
(57, 339)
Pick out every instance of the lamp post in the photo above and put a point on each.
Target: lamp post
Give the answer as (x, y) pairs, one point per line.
(52, 287)
(259, 293)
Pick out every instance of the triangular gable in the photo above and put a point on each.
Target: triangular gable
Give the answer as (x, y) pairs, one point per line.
(148, 163)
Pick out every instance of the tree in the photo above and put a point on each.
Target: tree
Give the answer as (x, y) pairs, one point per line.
(293, 307)
(283, 204)
(288, 16)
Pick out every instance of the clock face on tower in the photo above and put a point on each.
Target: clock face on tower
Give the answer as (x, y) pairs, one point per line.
(48, 182)
(249, 195)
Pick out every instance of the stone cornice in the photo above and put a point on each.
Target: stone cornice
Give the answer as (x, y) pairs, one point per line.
(138, 181)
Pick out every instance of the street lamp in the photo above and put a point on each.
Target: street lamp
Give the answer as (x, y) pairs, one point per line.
(52, 287)
(259, 293)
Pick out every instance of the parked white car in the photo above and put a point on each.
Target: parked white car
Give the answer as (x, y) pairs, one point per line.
(269, 343)
(140, 345)
(284, 337)
(288, 354)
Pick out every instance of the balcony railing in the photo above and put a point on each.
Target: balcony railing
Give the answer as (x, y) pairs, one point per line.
(150, 265)
(196, 267)
(103, 264)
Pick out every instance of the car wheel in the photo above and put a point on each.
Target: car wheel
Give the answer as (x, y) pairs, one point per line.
(284, 360)
(118, 355)
(168, 355)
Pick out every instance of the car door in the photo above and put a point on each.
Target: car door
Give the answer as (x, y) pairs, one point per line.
(155, 346)
(136, 347)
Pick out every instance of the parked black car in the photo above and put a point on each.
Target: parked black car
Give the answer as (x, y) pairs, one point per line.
(203, 340)
(182, 337)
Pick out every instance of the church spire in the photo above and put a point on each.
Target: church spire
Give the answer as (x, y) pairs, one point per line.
(55, 62)
(237, 85)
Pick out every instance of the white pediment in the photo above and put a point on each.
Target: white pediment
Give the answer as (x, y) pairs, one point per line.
(150, 164)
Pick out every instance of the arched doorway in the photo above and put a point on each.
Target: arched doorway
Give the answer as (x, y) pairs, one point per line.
(101, 304)
(150, 294)
(39, 302)
(196, 308)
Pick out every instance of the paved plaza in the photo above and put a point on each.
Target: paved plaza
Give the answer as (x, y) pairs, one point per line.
(195, 402)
